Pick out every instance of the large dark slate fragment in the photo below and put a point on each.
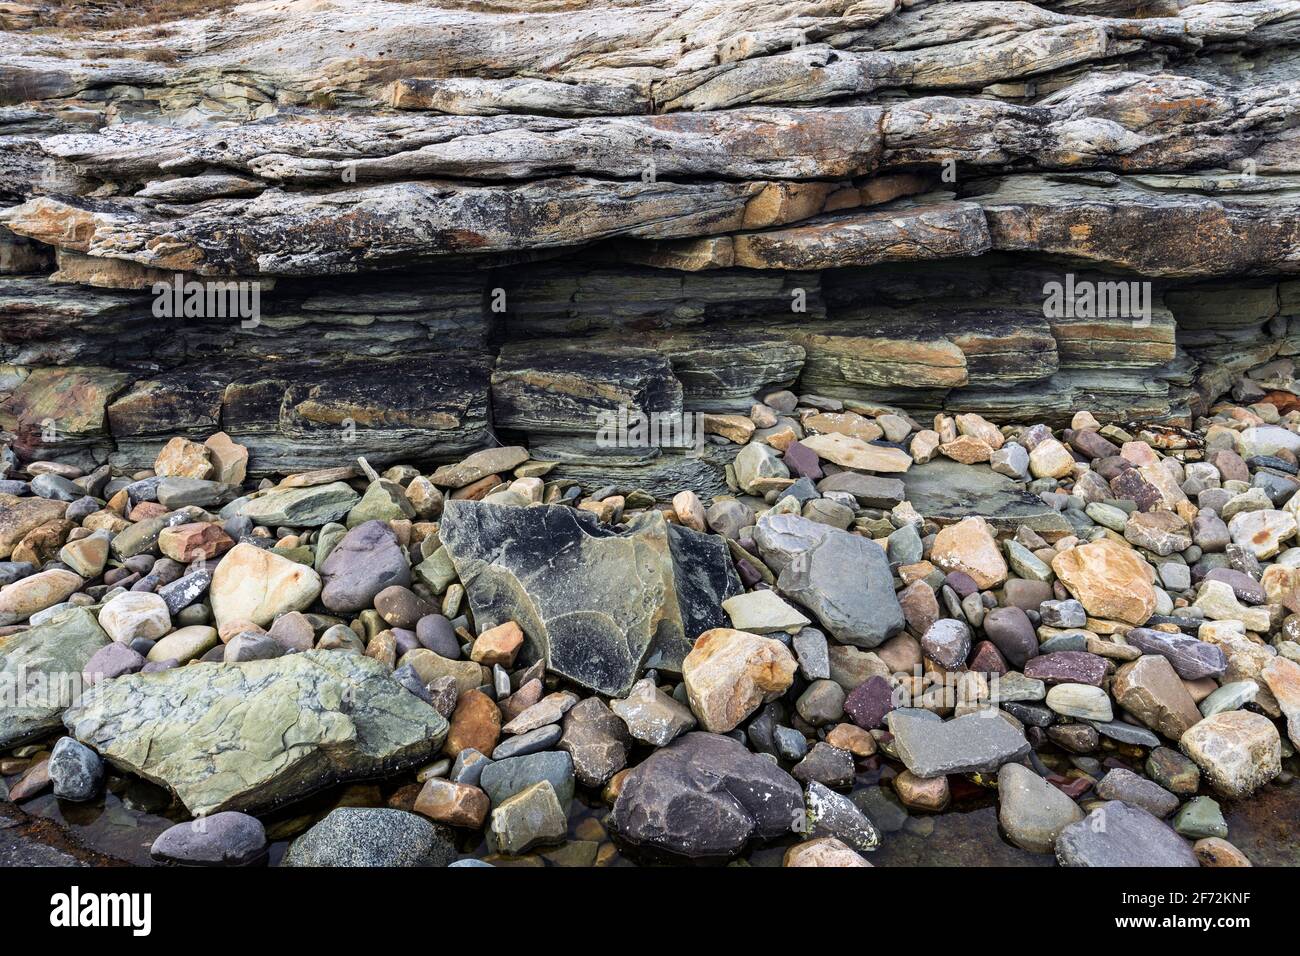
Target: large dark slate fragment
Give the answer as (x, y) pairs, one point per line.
(946, 491)
(705, 577)
(705, 796)
(591, 600)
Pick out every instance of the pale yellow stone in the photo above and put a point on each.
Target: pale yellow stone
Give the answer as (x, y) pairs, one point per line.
(855, 453)
(1050, 459)
(969, 546)
(182, 458)
(729, 674)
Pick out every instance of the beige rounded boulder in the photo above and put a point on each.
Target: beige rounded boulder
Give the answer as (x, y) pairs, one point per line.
(730, 674)
(969, 546)
(135, 614)
(823, 852)
(256, 585)
(26, 596)
(1109, 580)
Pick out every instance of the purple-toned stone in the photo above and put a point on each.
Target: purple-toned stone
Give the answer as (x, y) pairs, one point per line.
(962, 583)
(749, 575)
(987, 659)
(1067, 667)
(228, 838)
(435, 633)
(1012, 633)
(1243, 585)
(1112, 466)
(112, 660)
(1191, 659)
(1131, 485)
(802, 461)
(1092, 445)
(406, 640)
(869, 702)
(947, 643)
(154, 667)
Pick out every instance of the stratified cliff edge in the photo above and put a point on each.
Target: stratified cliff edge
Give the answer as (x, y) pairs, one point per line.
(510, 216)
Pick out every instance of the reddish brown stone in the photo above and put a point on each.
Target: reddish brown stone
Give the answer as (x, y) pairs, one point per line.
(499, 645)
(457, 804)
(476, 722)
(195, 541)
(987, 659)
(1067, 667)
(869, 702)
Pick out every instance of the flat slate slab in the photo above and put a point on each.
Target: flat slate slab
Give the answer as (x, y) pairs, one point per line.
(256, 735)
(1117, 834)
(975, 743)
(946, 491)
(38, 667)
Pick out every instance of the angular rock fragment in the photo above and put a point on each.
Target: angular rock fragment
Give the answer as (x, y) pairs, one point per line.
(974, 743)
(593, 601)
(1116, 834)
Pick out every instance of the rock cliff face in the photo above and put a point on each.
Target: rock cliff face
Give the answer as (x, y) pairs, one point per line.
(453, 220)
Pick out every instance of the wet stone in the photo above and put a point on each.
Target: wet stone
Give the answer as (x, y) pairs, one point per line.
(228, 838)
(1199, 818)
(1138, 791)
(502, 779)
(705, 796)
(970, 744)
(830, 814)
(827, 765)
(75, 770)
(364, 836)
(1031, 810)
(1116, 835)
(1173, 771)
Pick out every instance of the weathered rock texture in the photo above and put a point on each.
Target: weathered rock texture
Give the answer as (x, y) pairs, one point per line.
(597, 604)
(531, 212)
(256, 735)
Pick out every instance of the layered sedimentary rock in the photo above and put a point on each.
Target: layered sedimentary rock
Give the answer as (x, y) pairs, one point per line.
(1016, 209)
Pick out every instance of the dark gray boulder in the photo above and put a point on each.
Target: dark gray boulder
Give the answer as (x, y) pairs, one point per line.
(75, 770)
(592, 600)
(706, 796)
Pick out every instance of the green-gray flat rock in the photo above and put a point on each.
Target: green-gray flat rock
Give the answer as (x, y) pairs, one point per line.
(302, 507)
(1231, 696)
(946, 491)
(40, 673)
(974, 743)
(258, 734)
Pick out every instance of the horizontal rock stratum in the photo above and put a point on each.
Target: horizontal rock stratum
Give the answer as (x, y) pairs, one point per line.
(869, 201)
